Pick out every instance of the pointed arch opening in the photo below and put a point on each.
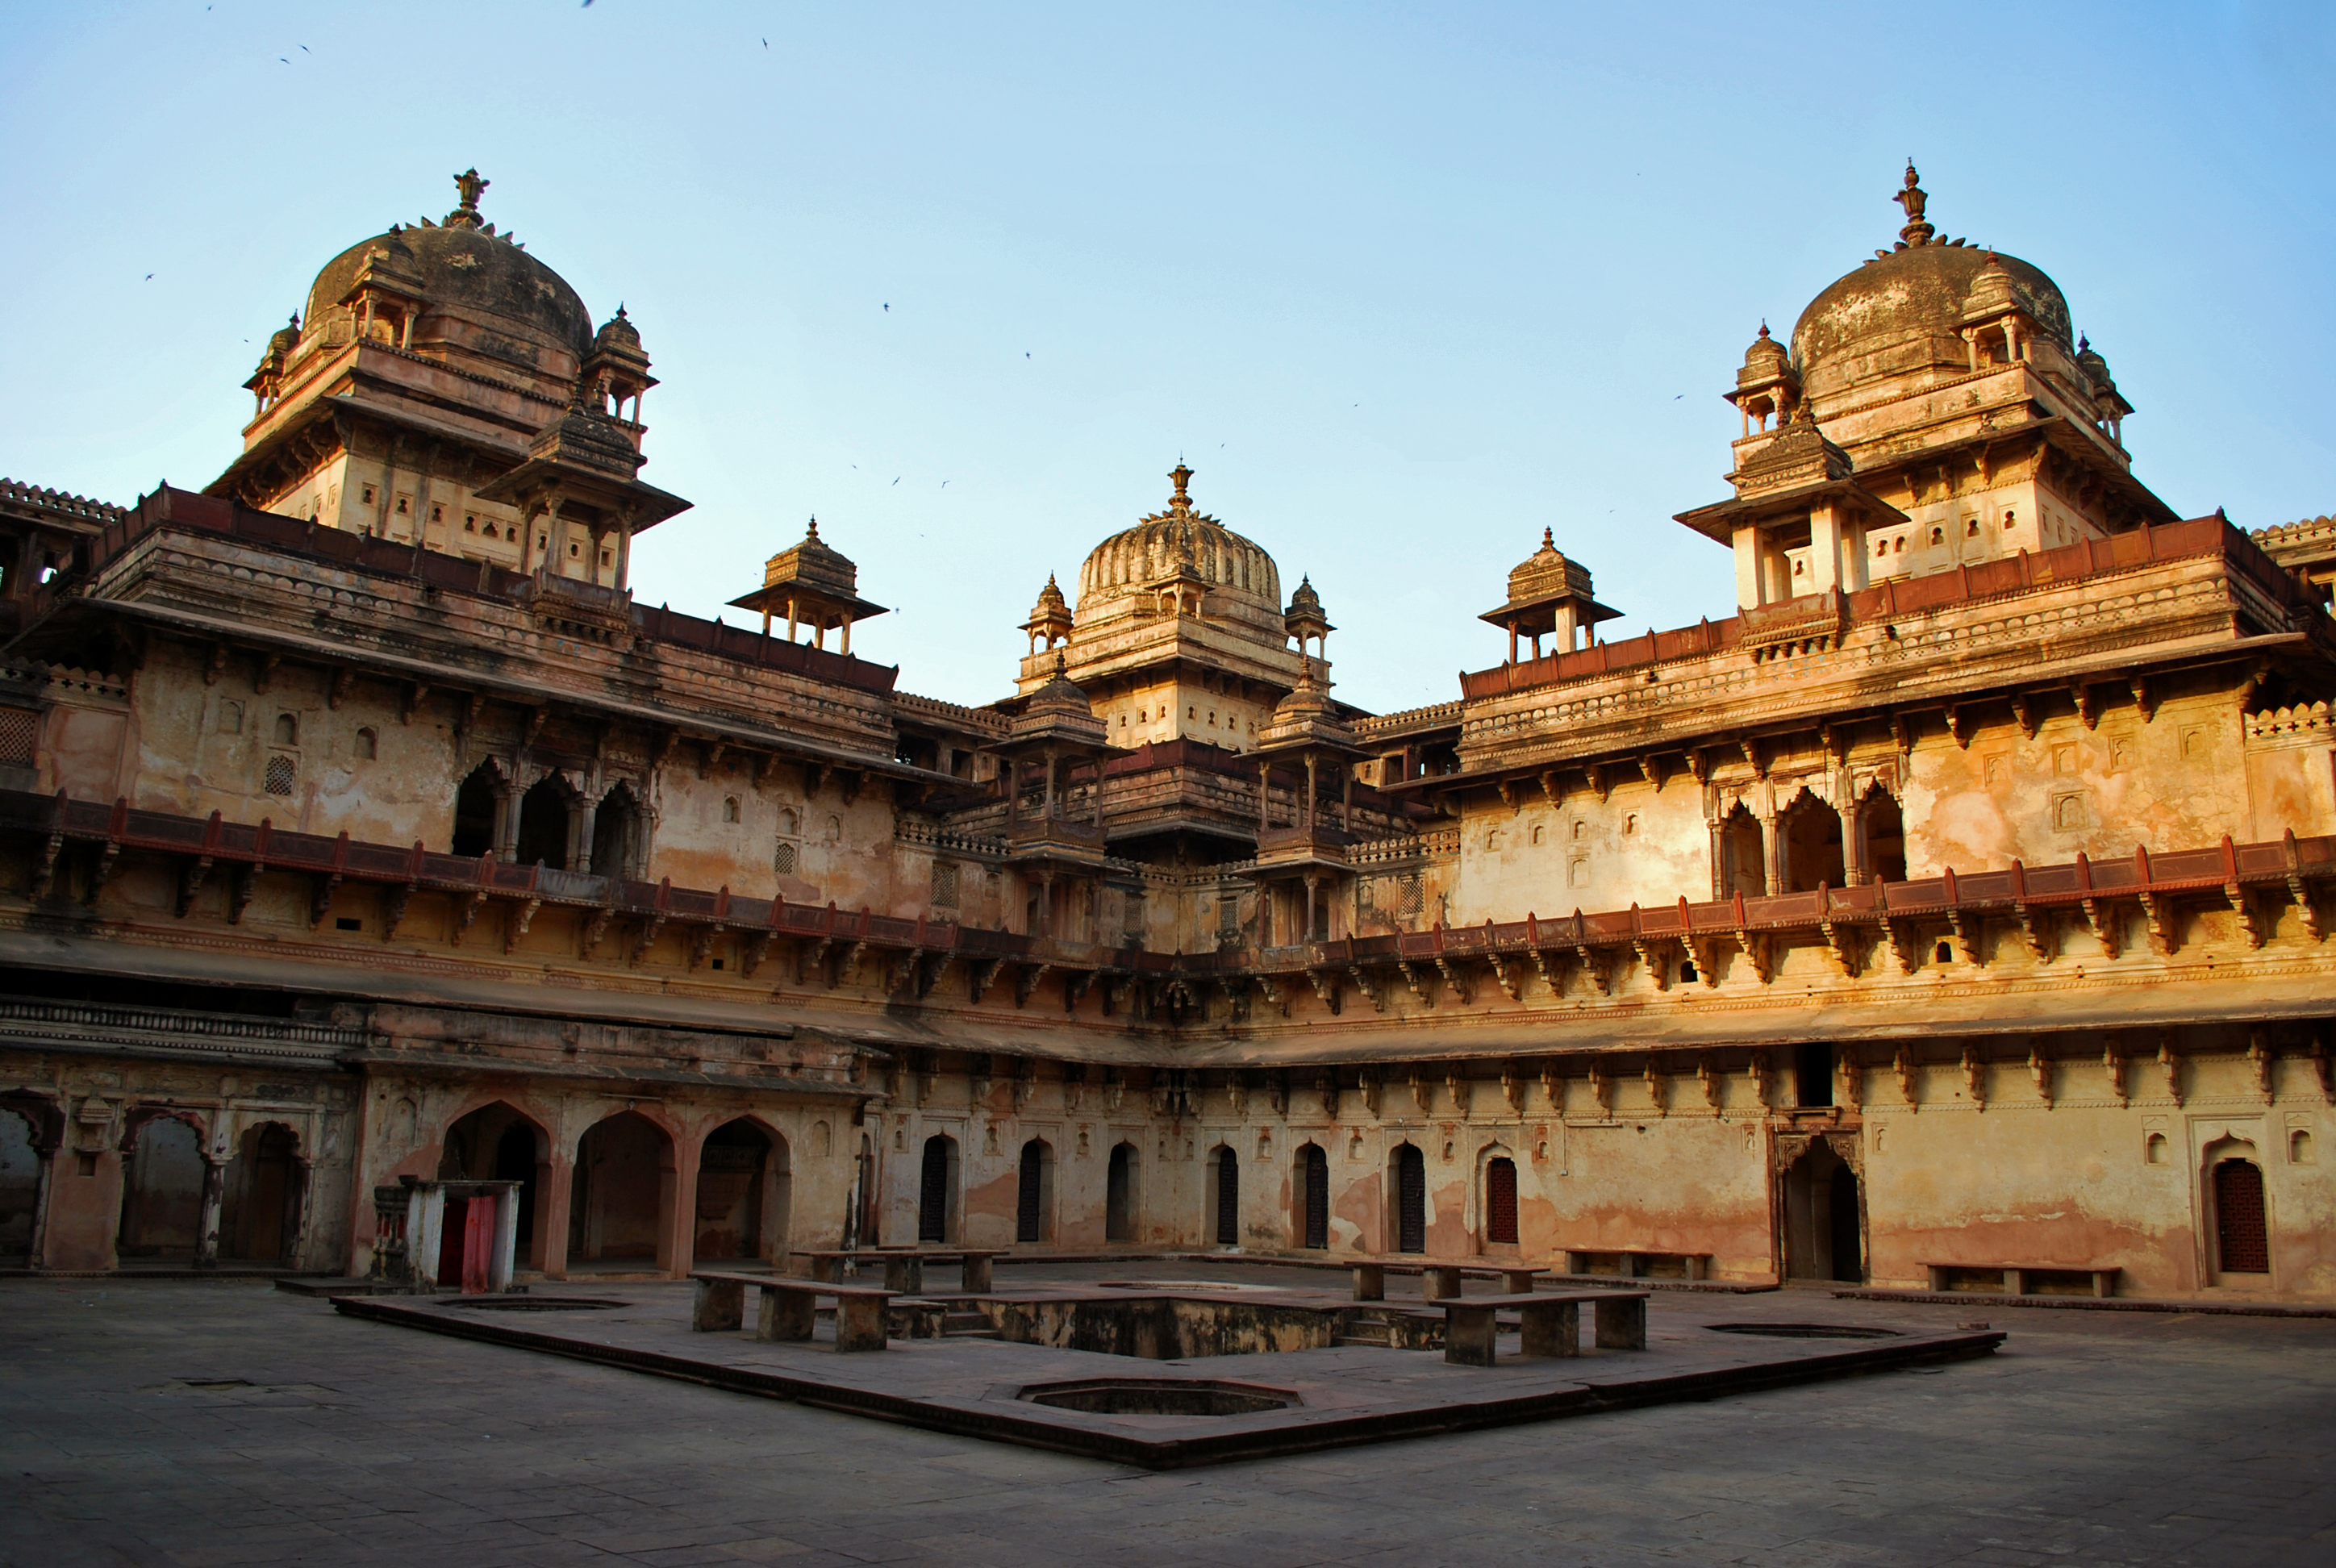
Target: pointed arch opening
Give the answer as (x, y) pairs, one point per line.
(1810, 846)
(1034, 1194)
(163, 1192)
(744, 1191)
(1224, 1196)
(1742, 855)
(1823, 1217)
(616, 836)
(260, 1217)
(2241, 1219)
(1408, 1180)
(1882, 834)
(1313, 1197)
(621, 1194)
(1121, 1197)
(479, 811)
(20, 1184)
(937, 1208)
(498, 1142)
(547, 819)
(1500, 1201)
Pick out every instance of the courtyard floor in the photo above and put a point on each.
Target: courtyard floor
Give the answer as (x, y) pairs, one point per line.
(180, 1422)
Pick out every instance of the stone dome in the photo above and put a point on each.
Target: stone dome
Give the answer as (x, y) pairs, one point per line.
(520, 309)
(1178, 540)
(1904, 309)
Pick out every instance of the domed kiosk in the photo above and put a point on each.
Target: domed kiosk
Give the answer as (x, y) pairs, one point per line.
(446, 389)
(1934, 410)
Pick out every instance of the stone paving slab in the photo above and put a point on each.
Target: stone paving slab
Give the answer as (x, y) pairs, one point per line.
(1345, 1394)
(2087, 1438)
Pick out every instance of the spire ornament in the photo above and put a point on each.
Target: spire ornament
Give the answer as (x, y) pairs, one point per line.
(1913, 198)
(470, 183)
(1180, 501)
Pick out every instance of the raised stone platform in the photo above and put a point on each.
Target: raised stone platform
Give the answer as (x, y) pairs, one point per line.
(1173, 1413)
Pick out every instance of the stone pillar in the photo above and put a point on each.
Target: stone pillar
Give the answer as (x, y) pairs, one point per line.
(207, 1230)
(1825, 549)
(1306, 810)
(1264, 795)
(585, 818)
(1772, 854)
(1749, 580)
(304, 1209)
(1854, 871)
(1718, 859)
(683, 1246)
(506, 821)
(556, 1193)
(1312, 883)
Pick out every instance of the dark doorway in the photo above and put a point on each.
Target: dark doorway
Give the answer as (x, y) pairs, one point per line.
(262, 1195)
(1884, 826)
(1814, 1076)
(1743, 863)
(2242, 1230)
(1410, 1199)
(1314, 1195)
(937, 1189)
(515, 1161)
(616, 835)
(475, 813)
(543, 824)
(20, 1185)
(1501, 1203)
(1119, 1195)
(1030, 1194)
(1822, 1217)
(623, 1188)
(1812, 850)
(1226, 1167)
(162, 1195)
(733, 1168)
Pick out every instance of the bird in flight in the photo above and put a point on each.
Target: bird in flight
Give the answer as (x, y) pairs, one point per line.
(888, 306)
(896, 481)
(149, 277)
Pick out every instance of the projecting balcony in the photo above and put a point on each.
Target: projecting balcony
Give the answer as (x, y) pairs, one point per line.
(1314, 844)
(1063, 840)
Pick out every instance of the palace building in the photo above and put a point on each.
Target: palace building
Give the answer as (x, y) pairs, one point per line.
(1951, 914)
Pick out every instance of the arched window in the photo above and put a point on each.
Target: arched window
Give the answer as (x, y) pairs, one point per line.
(937, 1190)
(287, 729)
(1033, 1196)
(543, 818)
(1119, 1218)
(368, 746)
(475, 812)
(1224, 1191)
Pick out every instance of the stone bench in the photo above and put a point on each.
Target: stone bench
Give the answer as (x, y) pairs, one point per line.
(2020, 1279)
(1439, 1278)
(1552, 1321)
(1635, 1263)
(904, 1267)
(789, 1307)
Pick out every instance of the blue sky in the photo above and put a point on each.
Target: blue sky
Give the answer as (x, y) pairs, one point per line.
(1404, 283)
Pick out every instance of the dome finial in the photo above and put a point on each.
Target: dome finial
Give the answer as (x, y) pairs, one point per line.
(1182, 476)
(470, 183)
(813, 531)
(1914, 198)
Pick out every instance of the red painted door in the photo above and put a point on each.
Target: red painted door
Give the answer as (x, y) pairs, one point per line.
(452, 1222)
(1501, 1203)
(478, 1246)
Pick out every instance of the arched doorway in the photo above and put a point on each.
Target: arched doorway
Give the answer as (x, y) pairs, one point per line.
(162, 1192)
(1823, 1217)
(1884, 828)
(623, 1190)
(1313, 1197)
(2242, 1224)
(478, 811)
(1120, 1195)
(1407, 1175)
(615, 833)
(1224, 1196)
(497, 1143)
(20, 1185)
(1743, 855)
(545, 812)
(741, 1193)
(261, 1216)
(1033, 1195)
(1812, 846)
(937, 1194)
(1499, 1201)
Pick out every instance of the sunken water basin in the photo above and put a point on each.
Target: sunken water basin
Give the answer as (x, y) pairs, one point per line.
(1160, 1397)
(1167, 1328)
(1803, 1330)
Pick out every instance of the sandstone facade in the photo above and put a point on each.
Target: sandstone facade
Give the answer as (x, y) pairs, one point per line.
(1957, 904)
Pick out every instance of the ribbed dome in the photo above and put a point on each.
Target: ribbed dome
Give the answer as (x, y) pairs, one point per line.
(1178, 538)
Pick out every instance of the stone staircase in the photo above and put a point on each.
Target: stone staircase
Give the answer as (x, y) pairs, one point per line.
(966, 1325)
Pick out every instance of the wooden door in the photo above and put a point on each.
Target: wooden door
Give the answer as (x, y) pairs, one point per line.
(1501, 1203)
(1411, 1199)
